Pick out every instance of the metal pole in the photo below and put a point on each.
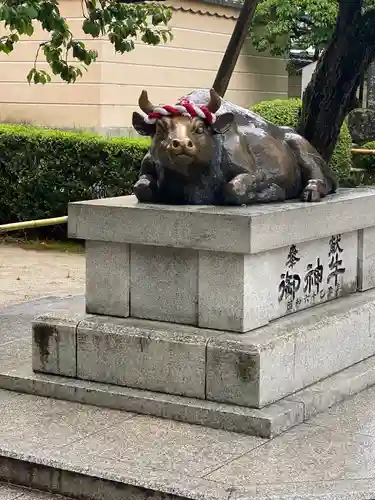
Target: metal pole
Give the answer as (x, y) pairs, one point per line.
(4, 228)
(235, 44)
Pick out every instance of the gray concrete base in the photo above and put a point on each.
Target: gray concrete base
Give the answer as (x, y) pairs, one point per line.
(224, 268)
(267, 422)
(94, 453)
(252, 370)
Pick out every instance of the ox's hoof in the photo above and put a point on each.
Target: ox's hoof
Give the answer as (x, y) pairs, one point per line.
(143, 190)
(314, 191)
(240, 190)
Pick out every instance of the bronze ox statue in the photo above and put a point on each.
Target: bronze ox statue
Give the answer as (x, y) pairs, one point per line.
(238, 159)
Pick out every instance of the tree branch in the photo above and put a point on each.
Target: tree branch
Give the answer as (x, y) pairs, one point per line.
(234, 47)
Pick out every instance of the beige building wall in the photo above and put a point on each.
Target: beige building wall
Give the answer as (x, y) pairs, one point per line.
(107, 95)
(56, 104)
(294, 85)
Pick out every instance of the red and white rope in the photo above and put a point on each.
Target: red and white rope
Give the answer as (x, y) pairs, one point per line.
(184, 108)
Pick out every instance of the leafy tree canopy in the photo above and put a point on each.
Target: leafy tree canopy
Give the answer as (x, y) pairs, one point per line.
(121, 22)
(281, 25)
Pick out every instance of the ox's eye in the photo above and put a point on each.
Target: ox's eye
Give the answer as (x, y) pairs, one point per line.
(199, 129)
(161, 126)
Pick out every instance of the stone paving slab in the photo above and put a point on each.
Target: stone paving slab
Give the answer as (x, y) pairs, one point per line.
(265, 423)
(28, 422)
(53, 444)
(356, 418)
(162, 444)
(307, 453)
(10, 492)
(310, 461)
(15, 327)
(15, 320)
(57, 428)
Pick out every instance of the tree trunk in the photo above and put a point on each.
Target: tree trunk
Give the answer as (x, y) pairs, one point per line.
(240, 32)
(371, 86)
(361, 91)
(332, 89)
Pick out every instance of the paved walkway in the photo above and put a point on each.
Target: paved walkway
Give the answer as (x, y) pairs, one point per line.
(332, 456)
(30, 274)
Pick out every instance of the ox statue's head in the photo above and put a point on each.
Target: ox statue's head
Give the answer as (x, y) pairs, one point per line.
(179, 140)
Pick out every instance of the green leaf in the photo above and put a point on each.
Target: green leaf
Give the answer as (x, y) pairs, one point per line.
(42, 78)
(56, 67)
(91, 28)
(14, 37)
(29, 30)
(31, 75)
(45, 76)
(157, 18)
(30, 12)
(7, 47)
(279, 25)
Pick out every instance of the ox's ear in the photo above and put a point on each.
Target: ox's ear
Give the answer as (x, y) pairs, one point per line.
(141, 126)
(223, 123)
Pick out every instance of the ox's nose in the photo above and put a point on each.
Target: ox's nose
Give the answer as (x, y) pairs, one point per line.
(180, 145)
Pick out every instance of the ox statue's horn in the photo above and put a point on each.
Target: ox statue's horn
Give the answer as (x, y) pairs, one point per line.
(214, 102)
(145, 105)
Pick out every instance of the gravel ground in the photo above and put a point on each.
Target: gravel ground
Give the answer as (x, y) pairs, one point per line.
(31, 274)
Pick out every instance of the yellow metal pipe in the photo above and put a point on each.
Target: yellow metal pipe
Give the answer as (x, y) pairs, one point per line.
(363, 151)
(4, 228)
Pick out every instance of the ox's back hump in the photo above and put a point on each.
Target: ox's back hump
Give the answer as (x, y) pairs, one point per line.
(242, 115)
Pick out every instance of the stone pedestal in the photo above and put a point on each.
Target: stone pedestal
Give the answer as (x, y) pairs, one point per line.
(232, 269)
(252, 370)
(240, 306)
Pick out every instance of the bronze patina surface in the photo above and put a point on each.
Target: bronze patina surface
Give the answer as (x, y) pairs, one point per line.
(238, 160)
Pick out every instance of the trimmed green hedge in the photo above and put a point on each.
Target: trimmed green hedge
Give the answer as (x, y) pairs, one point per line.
(42, 170)
(282, 112)
(286, 112)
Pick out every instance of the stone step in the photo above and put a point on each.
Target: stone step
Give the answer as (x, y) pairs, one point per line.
(267, 422)
(11, 492)
(57, 447)
(253, 370)
(57, 480)
(16, 375)
(89, 453)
